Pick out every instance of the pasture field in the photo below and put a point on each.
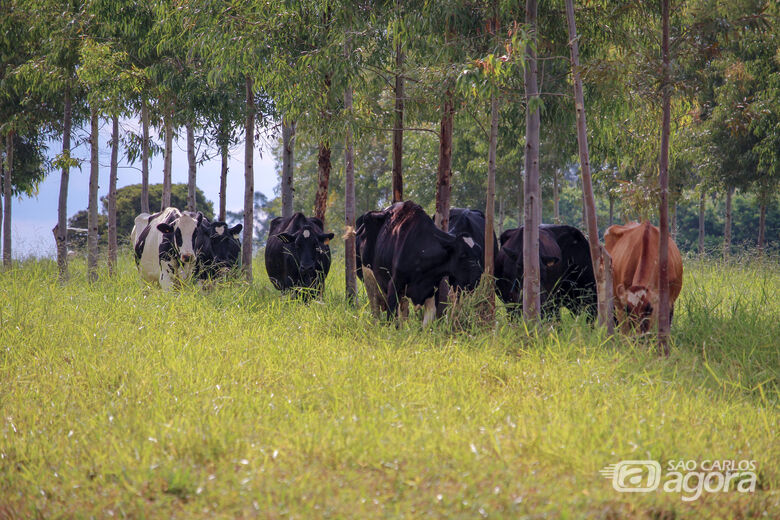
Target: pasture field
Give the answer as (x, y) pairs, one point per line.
(121, 400)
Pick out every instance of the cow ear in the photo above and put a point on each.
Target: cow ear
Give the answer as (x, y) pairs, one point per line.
(200, 217)
(325, 238)
(165, 228)
(235, 230)
(286, 237)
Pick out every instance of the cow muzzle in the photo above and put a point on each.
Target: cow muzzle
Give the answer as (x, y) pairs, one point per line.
(187, 258)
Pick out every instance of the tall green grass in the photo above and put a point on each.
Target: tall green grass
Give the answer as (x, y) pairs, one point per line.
(118, 399)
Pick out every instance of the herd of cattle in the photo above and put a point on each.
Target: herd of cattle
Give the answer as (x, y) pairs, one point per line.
(402, 254)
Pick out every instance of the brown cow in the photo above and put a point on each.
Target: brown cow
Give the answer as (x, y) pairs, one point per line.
(634, 251)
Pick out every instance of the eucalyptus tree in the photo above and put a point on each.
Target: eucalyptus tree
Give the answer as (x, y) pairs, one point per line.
(58, 26)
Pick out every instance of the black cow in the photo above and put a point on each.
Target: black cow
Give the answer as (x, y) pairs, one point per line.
(217, 247)
(471, 222)
(565, 270)
(408, 256)
(297, 255)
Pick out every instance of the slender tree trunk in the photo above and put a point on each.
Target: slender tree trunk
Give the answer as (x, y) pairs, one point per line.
(288, 165)
(490, 209)
(444, 172)
(664, 319)
(249, 180)
(223, 178)
(598, 256)
(167, 165)
(192, 169)
(611, 209)
(727, 226)
(7, 186)
(556, 198)
(323, 165)
(674, 221)
(531, 273)
(398, 126)
(761, 226)
(323, 178)
(92, 203)
(702, 201)
(61, 230)
(144, 157)
(112, 237)
(350, 262)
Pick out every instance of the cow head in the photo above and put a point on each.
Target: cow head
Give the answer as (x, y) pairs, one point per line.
(217, 244)
(309, 248)
(181, 234)
(640, 304)
(468, 259)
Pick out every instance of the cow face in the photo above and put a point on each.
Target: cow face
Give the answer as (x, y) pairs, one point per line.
(310, 251)
(469, 258)
(181, 234)
(217, 244)
(639, 304)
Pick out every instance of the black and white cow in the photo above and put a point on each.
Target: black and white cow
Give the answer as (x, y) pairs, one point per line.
(404, 254)
(217, 247)
(565, 269)
(297, 254)
(165, 245)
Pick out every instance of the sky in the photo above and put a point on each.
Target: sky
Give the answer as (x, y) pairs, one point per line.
(34, 217)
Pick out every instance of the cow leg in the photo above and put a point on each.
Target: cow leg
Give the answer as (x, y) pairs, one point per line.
(430, 311)
(167, 273)
(671, 314)
(392, 300)
(403, 309)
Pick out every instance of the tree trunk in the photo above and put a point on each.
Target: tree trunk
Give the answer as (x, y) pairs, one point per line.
(144, 157)
(192, 170)
(167, 165)
(398, 126)
(702, 201)
(761, 226)
(444, 172)
(61, 229)
(531, 273)
(112, 178)
(611, 209)
(7, 178)
(92, 201)
(598, 256)
(350, 262)
(288, 165)
(556, 199)
(727, 226)
(490, 209)
(223, 171)
(664, 319)
(249, 180)
(323, 178)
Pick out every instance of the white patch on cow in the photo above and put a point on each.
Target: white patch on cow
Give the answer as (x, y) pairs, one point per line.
(306, 233)
(469, 241)
(187, 225)
(220, 230)
(635, 297)
(430, 311)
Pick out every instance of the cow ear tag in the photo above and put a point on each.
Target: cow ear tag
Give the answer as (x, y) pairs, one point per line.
(326, 241)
